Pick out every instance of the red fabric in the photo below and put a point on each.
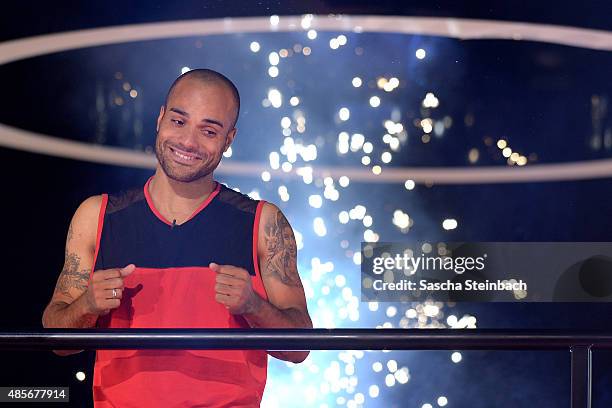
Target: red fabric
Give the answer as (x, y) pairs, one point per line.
(99, 232)
(257, 283)
(177, 298)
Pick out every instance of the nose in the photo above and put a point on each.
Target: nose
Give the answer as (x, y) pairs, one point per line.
(189, 139)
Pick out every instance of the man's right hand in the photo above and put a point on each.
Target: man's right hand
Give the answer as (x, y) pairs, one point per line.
(98, 297)
(80, 298)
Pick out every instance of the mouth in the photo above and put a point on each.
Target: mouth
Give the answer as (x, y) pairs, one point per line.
(183, 156)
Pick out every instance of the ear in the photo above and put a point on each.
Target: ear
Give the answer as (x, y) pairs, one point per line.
(161, 115)
(229, 139)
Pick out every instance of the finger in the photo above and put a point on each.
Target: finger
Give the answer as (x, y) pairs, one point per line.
(223, 299)
(125, 271)
(114, 303)
(227, 269)
(229, 279)
(230, 270)
(113, 273)
(113, 283)
(104, 274)
(223, 289)
(109, 293)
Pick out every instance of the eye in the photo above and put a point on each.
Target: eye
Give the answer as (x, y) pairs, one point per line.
(177, 122)
(209, 132)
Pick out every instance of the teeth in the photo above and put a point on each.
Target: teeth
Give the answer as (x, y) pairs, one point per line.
(182, 156)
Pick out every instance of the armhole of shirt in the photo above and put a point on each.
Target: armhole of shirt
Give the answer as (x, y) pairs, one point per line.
(258, 281)
(99, 233)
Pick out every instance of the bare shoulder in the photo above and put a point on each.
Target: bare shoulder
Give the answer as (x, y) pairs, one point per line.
(276, 232)
(270, 211)
(85, 221)
(90, 207)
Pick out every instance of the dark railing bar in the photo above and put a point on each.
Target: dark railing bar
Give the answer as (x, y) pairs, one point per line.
(581, 357)
(305, 339)
(580, 343)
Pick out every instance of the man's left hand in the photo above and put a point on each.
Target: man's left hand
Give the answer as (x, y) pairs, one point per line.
(234, 290)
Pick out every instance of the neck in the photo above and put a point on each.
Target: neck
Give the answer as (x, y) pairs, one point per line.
(175, 198)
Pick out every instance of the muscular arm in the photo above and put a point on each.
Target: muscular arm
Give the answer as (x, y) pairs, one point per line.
(286, 305)
(67, 308)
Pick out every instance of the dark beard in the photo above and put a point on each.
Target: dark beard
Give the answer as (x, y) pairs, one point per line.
(169, 169)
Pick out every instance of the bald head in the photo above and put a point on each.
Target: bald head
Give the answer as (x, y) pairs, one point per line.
(208, 77)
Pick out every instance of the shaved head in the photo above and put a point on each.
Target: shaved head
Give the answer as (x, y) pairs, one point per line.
(208, 77)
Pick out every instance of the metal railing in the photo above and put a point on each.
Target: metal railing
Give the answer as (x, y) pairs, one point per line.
(579, 343)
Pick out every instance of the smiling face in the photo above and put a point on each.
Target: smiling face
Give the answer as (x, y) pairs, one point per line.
(195, 128)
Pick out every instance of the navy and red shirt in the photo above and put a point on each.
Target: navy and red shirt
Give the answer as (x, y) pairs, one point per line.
(173, 287)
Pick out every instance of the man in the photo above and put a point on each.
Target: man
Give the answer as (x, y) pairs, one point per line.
(182, 252)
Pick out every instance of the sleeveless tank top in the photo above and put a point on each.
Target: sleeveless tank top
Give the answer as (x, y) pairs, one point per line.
(172, 287)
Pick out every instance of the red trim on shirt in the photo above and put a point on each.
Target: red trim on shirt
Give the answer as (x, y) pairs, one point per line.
(162, 218)
(99, 234)
(257, 278)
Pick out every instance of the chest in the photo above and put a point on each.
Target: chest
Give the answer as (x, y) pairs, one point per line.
(138, 236)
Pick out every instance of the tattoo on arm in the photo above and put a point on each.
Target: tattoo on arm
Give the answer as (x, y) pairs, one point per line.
(71, 276)
(281, 250)
(69, 237)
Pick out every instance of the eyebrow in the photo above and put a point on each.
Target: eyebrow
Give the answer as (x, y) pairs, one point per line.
(207, 120)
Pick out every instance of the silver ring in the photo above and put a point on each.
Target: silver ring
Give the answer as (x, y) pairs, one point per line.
(114, 293)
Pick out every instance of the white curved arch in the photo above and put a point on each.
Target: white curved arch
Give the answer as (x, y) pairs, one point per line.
(15, 50)
(38, 143)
